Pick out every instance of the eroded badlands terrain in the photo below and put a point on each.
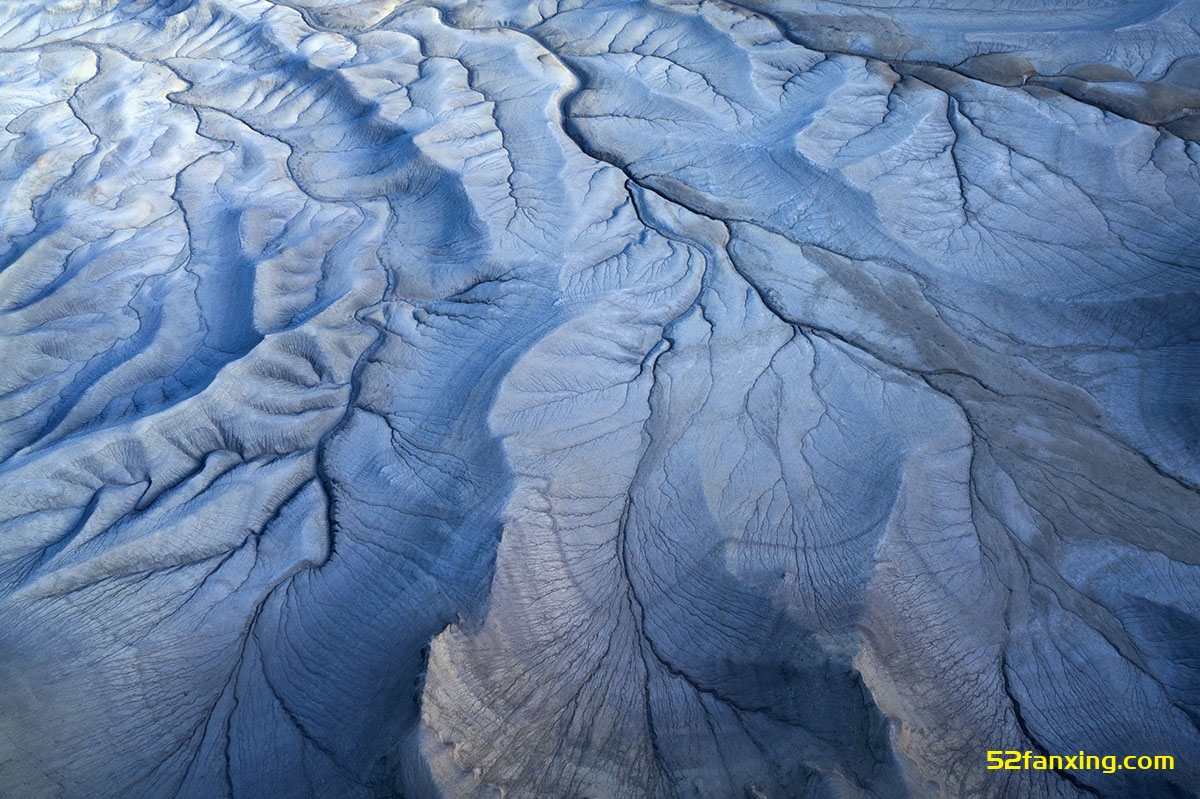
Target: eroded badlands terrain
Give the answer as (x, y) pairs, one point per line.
(609, 400)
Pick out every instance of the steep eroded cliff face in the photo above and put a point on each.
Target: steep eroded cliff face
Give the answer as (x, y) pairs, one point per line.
(609, 400)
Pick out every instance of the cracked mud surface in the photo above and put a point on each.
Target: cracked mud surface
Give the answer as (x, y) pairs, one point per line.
(598, 399)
